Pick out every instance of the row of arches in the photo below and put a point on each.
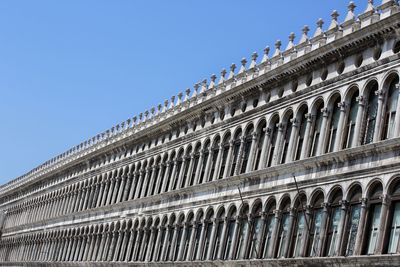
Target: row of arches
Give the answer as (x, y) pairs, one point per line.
(361, 116)
(339, 220)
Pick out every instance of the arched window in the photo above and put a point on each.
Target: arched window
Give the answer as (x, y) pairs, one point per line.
(178, 233)
(333, 223)
(196, 159)
(134, 237)
(299, 227)
(352, 223)
(283, 237)
(168, 255)
(267, 241)
(169, 177)
(302, 124)
(287, 131)
(225, 151)
(186, 167)
(189, 230)
(218, 235)
(206, 154)
(313, 246)
(246, 150)
(390, 109)
(163, 169)
(229, 232)
(199, 228)
(236, 149)
(273, 131)
(149, 174)
(255, 233)
(214, 155)
(162, 239)
(179, 162)
(374, 214)
(243, 228)
(348, 133)
(334, 115)
(155, 238)
(260, 144)
(208, 226)
(394, 218)
(317, 117)
(371, 109)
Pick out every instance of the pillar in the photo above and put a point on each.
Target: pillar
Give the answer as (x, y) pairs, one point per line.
(228, 160)
(252, 153)
(341, 227)
(339, 135)
(292, 140)
(383, 224)
(359, 122)
(307, 137)
(322, 139)
(379, 115)
(274, 234)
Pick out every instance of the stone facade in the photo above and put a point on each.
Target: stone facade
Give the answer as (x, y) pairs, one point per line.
(293, 160)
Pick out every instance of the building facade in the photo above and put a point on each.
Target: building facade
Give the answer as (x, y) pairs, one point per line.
(292, 160)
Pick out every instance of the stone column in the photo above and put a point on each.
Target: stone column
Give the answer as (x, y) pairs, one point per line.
(208, 166)
(88, 246)
(341, 227)
(359, 122)
(239, 159)
(361, 227)
(151, 244)
(383, 224)
(114, 198)
(290, 231)
(173, 243)
(306, 233)
(228, 163)
(121, 189)
(379, 115)
(157, 245)
(322, 137)
(293, 139)
(123, 246)
(164, 257)
(136, 249)
(107, 246)
(199, 166)
(339, 135)
(144, 244)
(201, 241)
(113, 252)
(128, 255)
(107, 183)
(101, 190)
(252, 153)
(102, 240)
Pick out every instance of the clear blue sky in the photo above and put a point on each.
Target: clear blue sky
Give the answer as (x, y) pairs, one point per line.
(72, 69)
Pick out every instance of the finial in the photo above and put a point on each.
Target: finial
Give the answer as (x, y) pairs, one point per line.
(179, 98)
(265, 56)
(222, 79)
(232, 71)
(212, 81)
(291, 39)
(159, 108)
(253, 60)
(278, 44)
(334, 23)
(319, 30)
(203, 86)
(187, 96)
(140, 117)
(304, 36)
(146, 115)
(153, 111)
(165, 105)
(196, 88)
(243, 67)
(350, 14)
(172, 103)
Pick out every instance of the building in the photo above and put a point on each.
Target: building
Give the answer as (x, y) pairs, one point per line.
(292, 160)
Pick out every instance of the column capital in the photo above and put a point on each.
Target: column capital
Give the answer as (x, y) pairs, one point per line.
(308, 117)
(385, 199)
(342, 105)
(344, 204)
(325, 112)
(295, 122)
(361, 100)
(380, 93)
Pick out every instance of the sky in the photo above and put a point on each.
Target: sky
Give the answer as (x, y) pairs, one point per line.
(72, 69)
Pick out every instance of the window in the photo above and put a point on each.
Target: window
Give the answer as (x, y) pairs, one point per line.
(283, 235)
(179, 162)
(229, 235)
(374, 214)
(196, 159)
(317, 118)
(225, 151)
(299, 229)
(255, 233)
(186, 167)
(369, 121)
(333, 126)
(246, 151)
(390, 110)
(286, 137)
(348, 134)
(333, 224)
(273, 138)
(268, 228)
(218, 236)
(241, 242)
(206, 153)
(352, 224)
(214, 156)
(260, 144)
(208, 226)
(394, 219)
(178, 238)
(236, 148)
(302, 124)
(315, 232)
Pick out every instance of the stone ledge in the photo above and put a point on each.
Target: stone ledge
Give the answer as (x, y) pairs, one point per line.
(358, 261)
